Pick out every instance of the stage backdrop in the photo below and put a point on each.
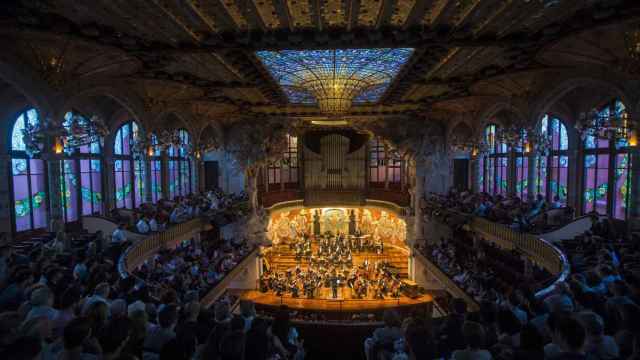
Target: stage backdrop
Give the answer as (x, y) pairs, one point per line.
(288, 224)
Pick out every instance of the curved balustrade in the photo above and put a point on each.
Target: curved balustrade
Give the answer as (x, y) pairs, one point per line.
(539, 250)
(94, 224)
(221, 287)
(137, 253)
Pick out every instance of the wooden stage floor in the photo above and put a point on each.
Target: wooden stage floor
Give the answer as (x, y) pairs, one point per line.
(326, 303)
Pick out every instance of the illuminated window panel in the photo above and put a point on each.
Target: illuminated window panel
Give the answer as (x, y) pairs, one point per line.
(28, 178)
(363, 75)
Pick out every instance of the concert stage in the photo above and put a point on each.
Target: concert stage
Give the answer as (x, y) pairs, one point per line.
(326, 304)
(358, 252)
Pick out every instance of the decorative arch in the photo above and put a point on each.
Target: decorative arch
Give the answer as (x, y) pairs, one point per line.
(555, 94)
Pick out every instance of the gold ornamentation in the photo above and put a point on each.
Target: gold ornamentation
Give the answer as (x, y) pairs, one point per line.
(333, 12)
(300, 13)
(401, 11)
(369, 12)
(268, 13)
(235, 13)
(434, 12)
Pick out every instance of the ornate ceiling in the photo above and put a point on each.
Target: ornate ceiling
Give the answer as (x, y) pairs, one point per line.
(199, 55)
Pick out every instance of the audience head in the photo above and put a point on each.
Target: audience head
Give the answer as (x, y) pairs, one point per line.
(474, 335)
(76, 332)
(568, 334)
(168, 316)
(115, 336)
(24, 348)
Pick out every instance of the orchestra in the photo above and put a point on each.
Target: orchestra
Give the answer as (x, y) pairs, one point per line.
(331, 266)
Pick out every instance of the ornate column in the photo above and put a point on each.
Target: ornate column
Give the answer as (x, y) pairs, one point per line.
(634, 201)
(164, 174)
(148, 194)
(108, 180)
(417, 198)
(53, 162)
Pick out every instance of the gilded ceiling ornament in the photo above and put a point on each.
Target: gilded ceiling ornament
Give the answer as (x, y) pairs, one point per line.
(335, 79)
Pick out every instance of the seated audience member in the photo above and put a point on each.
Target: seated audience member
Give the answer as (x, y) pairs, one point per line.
(474, 338)
(531, 344)
(383, 339)
(142, 226)
(568, 338)
(153, 224)
(41, 304)
(597, 345)
(118, 236)
(24, 348)
(114, 337)
(157, 337)
(77, 333)
(14, 294)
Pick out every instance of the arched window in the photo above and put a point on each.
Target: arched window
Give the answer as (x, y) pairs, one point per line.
(494, 164)
(28, 178)
(385, 170)
(552, 167)
(180, 167)
(128, 167)
(607, 166)
(80, 172)
(156, 169)
(283, 173)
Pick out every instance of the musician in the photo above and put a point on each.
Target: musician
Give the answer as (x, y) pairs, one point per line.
(333, 280)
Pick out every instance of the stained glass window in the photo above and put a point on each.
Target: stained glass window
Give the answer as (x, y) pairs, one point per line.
(91, 186)
(69, 189)
(607, 168)
(495, 171)
(298, 71)
(80, 175)
(551, 169)
(180, 167)
(129, 169)
(156, 170)
(28, 178)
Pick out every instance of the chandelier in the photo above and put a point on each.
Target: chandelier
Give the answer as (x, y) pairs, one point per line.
(80, 131)
(333, 92)
(35, 136)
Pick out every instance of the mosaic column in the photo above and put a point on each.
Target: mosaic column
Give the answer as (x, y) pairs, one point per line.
(164, 174)
(148, 194)
(109, 182)
(55, 193)
(634, 200)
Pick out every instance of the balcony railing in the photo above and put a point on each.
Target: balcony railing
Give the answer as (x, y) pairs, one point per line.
(141, 250)
(537, 249)
(448, 284)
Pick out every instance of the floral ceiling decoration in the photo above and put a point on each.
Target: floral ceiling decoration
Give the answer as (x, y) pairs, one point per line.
(335, 79)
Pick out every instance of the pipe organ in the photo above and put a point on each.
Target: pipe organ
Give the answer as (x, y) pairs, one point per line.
(334, 168)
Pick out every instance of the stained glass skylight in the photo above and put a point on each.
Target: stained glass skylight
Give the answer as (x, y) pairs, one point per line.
(333, 78)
